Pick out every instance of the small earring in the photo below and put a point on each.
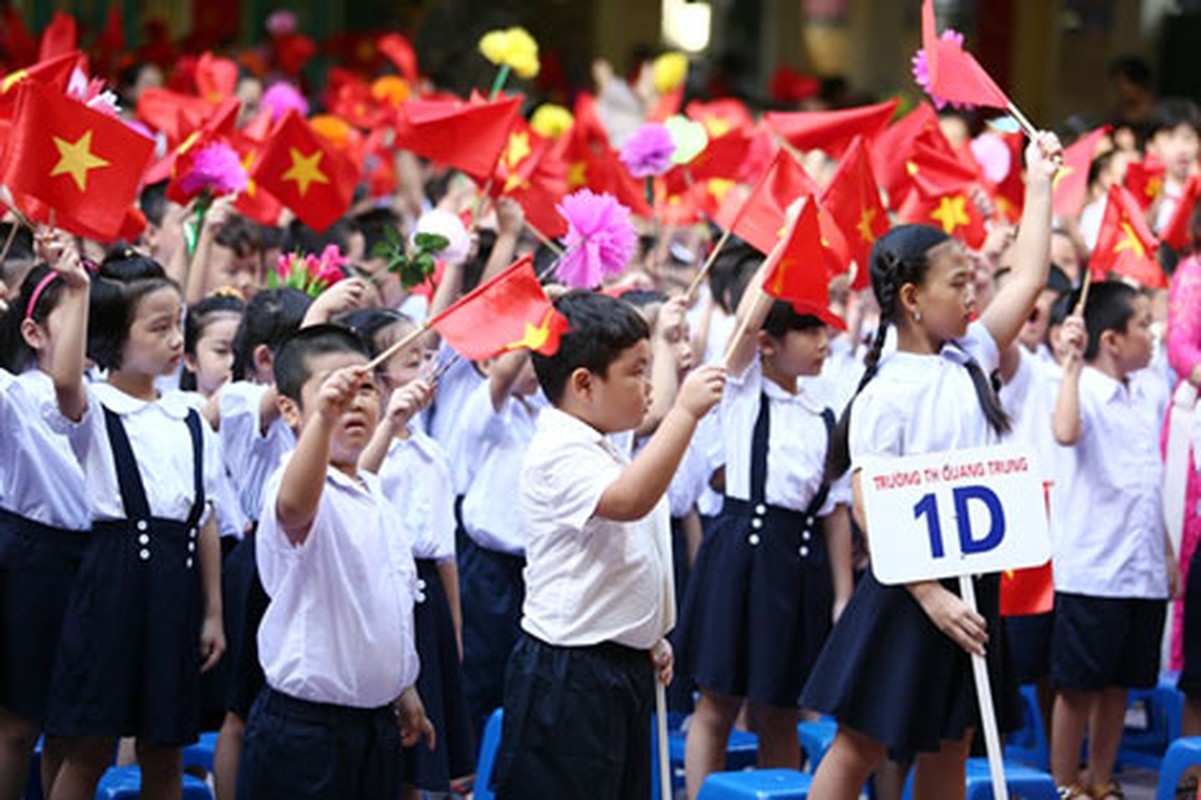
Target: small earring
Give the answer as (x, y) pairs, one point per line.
(917, 316)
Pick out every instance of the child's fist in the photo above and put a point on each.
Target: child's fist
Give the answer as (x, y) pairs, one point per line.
(338, 390)
(701, 390)
(1044, 157)
(1073, 339)
(409, 399)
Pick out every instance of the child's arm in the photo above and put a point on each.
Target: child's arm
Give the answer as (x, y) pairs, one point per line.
(212, 632)
(202, 259)
(503, 375)
(58, 250)
(448, 573)
(402, 405)
(410, 716)
(345, 295)
(669, 327)
(1066, 422)
(304, 477)
(837, 526)
(1010, 308)
(640, 486)
(510, 219)
(753, 307)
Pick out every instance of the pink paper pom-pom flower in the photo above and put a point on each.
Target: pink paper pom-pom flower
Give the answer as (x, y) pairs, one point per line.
(921, 72)
(216, 169)
(281, 98)
(600, 239)
(281, 23)
(647, 153)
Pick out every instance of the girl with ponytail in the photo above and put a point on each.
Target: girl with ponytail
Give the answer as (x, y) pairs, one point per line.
(896, 671)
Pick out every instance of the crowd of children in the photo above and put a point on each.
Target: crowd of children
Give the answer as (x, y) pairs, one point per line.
(305, 522)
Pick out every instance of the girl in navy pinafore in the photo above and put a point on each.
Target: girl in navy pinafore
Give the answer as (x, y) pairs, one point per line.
(144, 617)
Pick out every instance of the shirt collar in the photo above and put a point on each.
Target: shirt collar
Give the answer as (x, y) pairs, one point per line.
(1105, 387)
(173, 404)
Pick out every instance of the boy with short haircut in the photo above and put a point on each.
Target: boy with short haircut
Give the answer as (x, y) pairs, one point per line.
(1175, 141)
(336, 643)
(1114, 567)
(579, 687)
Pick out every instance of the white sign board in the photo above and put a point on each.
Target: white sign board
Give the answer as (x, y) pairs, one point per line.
(964, 512)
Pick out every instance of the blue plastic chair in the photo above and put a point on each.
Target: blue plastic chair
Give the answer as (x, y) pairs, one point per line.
(816, 737)
(1164, 704)
(756, 784)
(1023, 781)
(201, 754)
(1030, 745)
(125, 783)
(1183, 753)
(487, 760)
(742, 751)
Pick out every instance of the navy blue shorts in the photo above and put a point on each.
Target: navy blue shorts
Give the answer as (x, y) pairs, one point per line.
(577, 723)
(298, 750)
(245, 604)
(1190, 675)
(1030, 645)
(1102, 642)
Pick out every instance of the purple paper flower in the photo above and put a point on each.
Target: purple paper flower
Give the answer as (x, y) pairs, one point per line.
(216, 169)
(283, 97)
(921, 72)
(647, 153)
(600, 239)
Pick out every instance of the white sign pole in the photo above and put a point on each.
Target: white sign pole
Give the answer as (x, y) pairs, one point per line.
(661, 735)
(988, 714)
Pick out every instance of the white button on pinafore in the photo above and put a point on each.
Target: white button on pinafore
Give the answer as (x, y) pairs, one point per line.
(144, 554)
(753, 539)
(142, 525)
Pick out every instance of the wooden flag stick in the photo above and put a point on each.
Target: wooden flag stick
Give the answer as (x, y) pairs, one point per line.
(548, 242)
(661, 731)
(708, 265)
(1078, 311)
(397, 346)
(988, 714)
(1023, 123)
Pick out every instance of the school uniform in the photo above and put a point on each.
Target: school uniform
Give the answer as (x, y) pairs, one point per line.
(445, 414)
(886, 670)
(415, 479)
(252, 456)
(579, 688)
(491, 547)
(759, 606)
(44, 523)
(129, 660)
(336, 645)
(1111, 576)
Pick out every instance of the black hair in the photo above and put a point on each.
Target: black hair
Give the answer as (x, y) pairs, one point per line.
(197, 320)
(1058, 280)
(1109, 308)
(369, 323)
(153, 202)
(374, 225)
(15, 353)
(245, 236)
(300, 238)
(270, 316)
(731, 271)
(124, 278)
(1061, 309)
(782, 318)
(292, 358)
(1099, 164)
(898, 257)
(21, 248)
(600, 329)
(473, 270)
(1133, 69)
(1172, 113)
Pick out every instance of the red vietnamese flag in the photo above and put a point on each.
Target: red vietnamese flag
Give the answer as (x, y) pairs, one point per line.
(720, 116)
(216, 78)
(761, 219)
(795, 272)
(1125, 245)
(467, 136)
(175, 114)
(400, 52)
(177, 162)
(1144, 179)
(891, 150)
(15, 39)
(133, 221)
(1071, 181)
(1178, 232)
(853, 199)
(306, 174)
(955, 213)
(530, 172)
(509, 312)
(831, 130)
(61, 36)
(935, 169)
(254, 202)
(955, 75)
(53, 73)
(80, 162)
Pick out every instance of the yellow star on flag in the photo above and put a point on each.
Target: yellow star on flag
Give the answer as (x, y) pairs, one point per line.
(76, 159)
(717, 188)
(247, 163)
(1154, 187)
(1063, 172)
(865, 225)
(515, 181)
(533, 337)
(911, 168)
(577, 174)
(717, 127)
(11, 79)
(951, 213)
(1130, 241)
(518, 149)
(305, 170)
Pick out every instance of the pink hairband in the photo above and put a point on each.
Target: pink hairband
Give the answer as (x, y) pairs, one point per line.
(90, 266)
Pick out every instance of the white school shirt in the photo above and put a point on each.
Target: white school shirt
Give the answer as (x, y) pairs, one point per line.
(1112, 544)
(40, 478)
(162, 447)
(919, 403)
(251, 456)
(415, 478)
(339, 628)
(708, 442)
(495, 442)
(444, 418)
(589, 580)
(231, 520)
(797, 441)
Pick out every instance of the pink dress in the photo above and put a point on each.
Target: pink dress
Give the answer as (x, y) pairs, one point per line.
(1184, 353)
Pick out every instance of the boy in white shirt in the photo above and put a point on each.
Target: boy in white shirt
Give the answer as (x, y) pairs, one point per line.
(1113, 563)
(336, 642)
(579, 687)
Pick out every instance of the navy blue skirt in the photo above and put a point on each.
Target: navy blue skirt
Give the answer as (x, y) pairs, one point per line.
(245, 604)
(888, 672)
(129, 661)
(758, 606)
(38, 565)
(440, 684)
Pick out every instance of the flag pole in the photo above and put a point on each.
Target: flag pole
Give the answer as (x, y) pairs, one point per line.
(708, 265)
(397, 346)
(546, 241)
(1078, 311)
(1023, 123)
(988, 714)
(661, 731)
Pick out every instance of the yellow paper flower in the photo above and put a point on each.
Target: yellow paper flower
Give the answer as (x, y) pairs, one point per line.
(551, 121)
(514, 48)
(391, 90)
(670, 70)
(333, 129)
